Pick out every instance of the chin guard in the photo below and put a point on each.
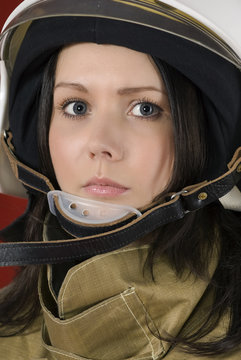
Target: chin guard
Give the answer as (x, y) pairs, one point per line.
(88, 211)
(97, 238)
(83, 217)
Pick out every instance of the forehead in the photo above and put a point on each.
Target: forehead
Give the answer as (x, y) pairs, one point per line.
(90, 59)
(92, 49)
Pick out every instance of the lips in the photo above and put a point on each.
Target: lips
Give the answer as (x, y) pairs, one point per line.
(104, 187)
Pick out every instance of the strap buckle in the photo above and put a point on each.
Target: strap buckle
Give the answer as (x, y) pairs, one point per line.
(178, 193)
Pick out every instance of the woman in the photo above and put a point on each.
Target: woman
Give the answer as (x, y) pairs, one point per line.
(141, 259)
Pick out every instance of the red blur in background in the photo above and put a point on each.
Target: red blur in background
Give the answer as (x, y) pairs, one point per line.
(10, 207)
(6, 8)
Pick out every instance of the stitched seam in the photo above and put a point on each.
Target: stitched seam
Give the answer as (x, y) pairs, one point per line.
(157, 353)
(81, 316)
(141, 358)
(143, 330)
(50, 349)
(91, 262)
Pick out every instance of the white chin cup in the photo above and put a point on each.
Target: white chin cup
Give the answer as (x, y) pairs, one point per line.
(232, 200)
(88, 211)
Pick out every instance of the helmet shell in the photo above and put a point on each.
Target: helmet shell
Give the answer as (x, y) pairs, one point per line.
(212, 27)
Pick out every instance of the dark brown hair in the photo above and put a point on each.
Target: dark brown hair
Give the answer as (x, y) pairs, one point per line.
(189, 245)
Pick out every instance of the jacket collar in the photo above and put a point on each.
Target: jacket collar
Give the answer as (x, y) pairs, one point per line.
(109, 307)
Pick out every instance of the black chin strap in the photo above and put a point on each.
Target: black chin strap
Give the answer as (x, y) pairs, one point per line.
(91, 241)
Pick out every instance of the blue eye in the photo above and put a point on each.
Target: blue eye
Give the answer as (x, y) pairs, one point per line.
(76, 108)
(146, 109)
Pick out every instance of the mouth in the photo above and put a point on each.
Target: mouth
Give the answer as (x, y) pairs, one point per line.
(104, 187)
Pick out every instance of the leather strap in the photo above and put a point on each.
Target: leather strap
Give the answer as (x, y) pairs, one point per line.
(109, 237)
(30, 178)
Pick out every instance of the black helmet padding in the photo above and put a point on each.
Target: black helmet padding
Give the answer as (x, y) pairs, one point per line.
(219, 80)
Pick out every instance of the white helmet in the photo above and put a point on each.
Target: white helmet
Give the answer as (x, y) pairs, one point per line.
(212, 25)
(201, 39)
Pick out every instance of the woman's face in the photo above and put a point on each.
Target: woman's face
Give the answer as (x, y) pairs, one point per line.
(111, 133)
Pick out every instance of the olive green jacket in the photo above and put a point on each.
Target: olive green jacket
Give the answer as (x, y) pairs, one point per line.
(108, 308)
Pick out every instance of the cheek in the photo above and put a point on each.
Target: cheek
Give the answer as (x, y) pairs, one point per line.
(157, 160)
(165, 163)
(62, 154)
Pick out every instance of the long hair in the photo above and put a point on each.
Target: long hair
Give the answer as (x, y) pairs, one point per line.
(189, 245)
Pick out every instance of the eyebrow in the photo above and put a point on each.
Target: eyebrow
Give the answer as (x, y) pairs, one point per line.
(126, 91)
(73, 85)
(121, 91)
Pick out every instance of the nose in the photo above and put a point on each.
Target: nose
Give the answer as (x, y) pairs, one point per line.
(105, 141)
